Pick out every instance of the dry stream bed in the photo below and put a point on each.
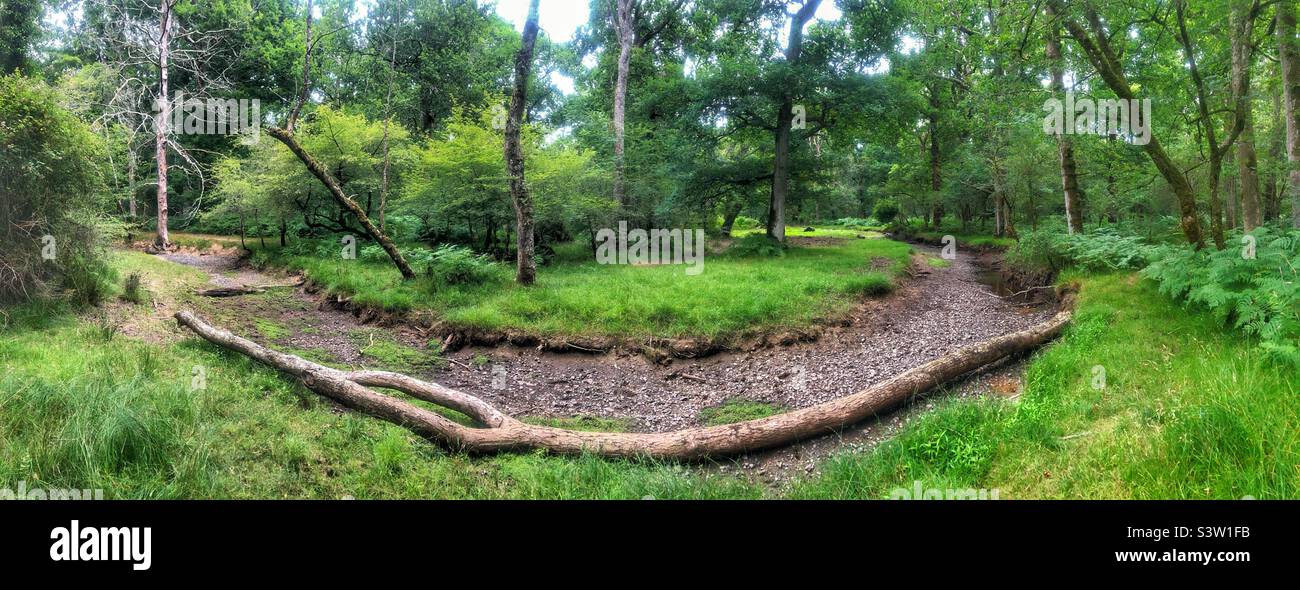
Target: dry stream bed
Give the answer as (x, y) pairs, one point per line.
(937, 311)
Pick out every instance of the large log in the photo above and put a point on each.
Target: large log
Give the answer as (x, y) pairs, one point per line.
(499, 432)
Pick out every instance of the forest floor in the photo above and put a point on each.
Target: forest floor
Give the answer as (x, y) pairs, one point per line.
(943, 307)
(1141, 397)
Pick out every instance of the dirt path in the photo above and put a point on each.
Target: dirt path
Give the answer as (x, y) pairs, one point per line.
(940, 310)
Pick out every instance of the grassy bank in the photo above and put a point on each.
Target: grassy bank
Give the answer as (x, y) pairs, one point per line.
(575, 296)
(84, 407)
(973, 237)
(1187, 410)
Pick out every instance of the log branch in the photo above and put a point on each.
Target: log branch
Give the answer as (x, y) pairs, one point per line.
(499, 432)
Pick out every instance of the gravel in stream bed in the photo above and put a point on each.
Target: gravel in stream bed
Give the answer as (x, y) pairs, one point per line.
(933, 314)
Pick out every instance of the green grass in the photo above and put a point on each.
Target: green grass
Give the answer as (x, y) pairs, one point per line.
(205, 241)
(81, 408)
(1187, 411)
(586, 423)
(576, 297)
(973, 236)
(936, 262)
(381, 347)
(156, 270)
(970, 239)
(269, 329)
(737, 410)
(818, 232)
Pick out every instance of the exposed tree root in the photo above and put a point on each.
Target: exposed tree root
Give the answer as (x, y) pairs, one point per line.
(499, 432)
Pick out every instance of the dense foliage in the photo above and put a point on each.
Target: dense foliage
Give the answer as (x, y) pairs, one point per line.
(1103, 249)
(1253, 288)
(51, 224)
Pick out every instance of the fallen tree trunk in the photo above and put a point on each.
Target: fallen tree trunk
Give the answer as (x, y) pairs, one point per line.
(241, 290)
(229, 291)
(499, 432)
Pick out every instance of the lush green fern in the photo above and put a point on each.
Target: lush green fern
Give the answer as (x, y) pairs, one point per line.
(1104, 249)
(1259, 294)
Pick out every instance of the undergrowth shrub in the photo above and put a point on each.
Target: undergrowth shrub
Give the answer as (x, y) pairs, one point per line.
(132, 290)
(885, 210)
(1103, 249)
(756, 246)
(743, 222)
(457, 265)
(858, 223)
(50, 234)
(1258, 295)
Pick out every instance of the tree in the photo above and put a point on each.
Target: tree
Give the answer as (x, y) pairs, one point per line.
(525, 267)
(141, 44)
(1206, 123)
(163, 239)
(625, 38)
(19, 27)
(1065, 147)
(1242, 26)
(1289, 56)
(1096, 45)
(784, 126)
(322, 173)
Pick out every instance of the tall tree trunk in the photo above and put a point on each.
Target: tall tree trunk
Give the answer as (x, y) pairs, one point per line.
(1103, 59)
(1205, 122)
(623, 24)
(1064, 146)
(306, 74)
(525, 268)
(1276, 146)
(1242, 24)
(936, 170)
(132, 170)
(784, 120)
(1289, 56)
(780, 172)
(1003, 201)
(729, 214)
(388, 105)
(1031, 208)
(163, 240)
(1229, 191)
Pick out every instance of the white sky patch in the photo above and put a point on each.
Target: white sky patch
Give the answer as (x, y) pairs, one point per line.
(828, 11)
(560, 19)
